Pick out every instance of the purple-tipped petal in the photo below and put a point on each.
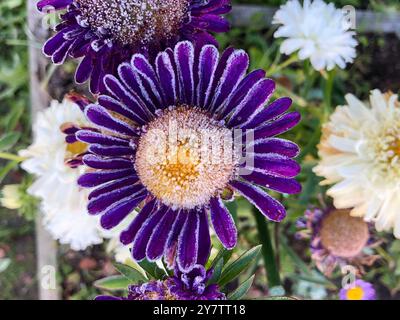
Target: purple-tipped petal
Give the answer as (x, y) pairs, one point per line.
(184, 59)
(93, 137)
(94, 179)
(285, 123)
(255, 99)
(276, 145)
(143, 236)
(223, 223)
(98, 204)
(267, 205)
(111, 151)
(204, 238)
(53, 4)
(188, 242)
(274, 110)
(97, 162)
(236, 67)
(115, 106)
(168, 81)
(113, 185)
(282, 185)
(128, 235)
(276, 164)
(156, 246)
(244, 87)
(115, 214)
(207, 65)
(172, 242)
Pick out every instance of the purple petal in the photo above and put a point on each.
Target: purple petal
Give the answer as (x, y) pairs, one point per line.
(267, 205)
(111, 151)
(156, 246)
(118, 107)
(113, 185)
(97, 162)
(115, 214)
(204, 238)
(282, 185)
(184, 58)
(255, 99)
(276, 145)
(101, 117)
(188, 242)
(94, 179)
(128, 235)
(285, 123)
(143, 236)
(89, 136)
(102, 202)
(274, 110)
(223, 223)
(276, 164)
(172, 242)
(166, 74)
(207, 65)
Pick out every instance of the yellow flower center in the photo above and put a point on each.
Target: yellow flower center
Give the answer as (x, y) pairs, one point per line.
(133, 22)
(343, 235)
(185, 157)
(76, 148)
(356, 293)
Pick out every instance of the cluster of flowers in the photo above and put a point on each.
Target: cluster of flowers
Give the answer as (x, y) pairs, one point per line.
(164, 97)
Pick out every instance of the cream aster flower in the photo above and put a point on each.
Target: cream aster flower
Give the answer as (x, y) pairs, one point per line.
(63, 201)
(318, 31)
(360, 155)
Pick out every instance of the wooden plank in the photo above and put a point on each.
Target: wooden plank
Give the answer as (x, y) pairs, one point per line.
(366, 21)
(46, 247)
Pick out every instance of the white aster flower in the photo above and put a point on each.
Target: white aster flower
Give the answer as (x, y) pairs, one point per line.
(63, 202)
(360, 155)
(318, 31)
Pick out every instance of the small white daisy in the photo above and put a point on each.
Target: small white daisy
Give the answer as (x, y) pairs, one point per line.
(360, 156)
(63, 202)
(317, 30)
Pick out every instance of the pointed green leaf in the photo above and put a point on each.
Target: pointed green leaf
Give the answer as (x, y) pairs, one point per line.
(152, 269)
(241, 291)
(217, 271)
(9, 140)
(235, 268)
(113, 283)
(131, 274)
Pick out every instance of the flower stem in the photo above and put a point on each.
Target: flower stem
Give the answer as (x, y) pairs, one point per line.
(275, 69)
(267, 250)
(9, 156)
(328, 94)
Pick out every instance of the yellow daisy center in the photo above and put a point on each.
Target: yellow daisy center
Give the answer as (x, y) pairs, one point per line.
(185, 157)
(356, 293)
(135, 22)
(343, 235)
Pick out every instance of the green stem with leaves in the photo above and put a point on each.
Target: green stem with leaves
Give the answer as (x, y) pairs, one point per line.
(267, 250)
(328, 88)
(12, 157)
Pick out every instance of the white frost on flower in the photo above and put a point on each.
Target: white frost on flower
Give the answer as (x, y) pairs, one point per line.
(318, 31)
(63, 202)
(360, 156)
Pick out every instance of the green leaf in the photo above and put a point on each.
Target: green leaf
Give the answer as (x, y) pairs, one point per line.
(217, 271)
(133, 275)
(9, 140)
(241, 291)
(113, 283)
(152, 269)
(238, 266)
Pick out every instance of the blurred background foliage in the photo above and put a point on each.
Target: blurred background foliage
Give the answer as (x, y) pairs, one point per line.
(377, 66)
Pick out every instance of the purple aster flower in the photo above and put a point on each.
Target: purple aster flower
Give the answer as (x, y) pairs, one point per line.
(360, 290)
(337, 239)
(107, 32)
(165, 139)
(182, 286)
